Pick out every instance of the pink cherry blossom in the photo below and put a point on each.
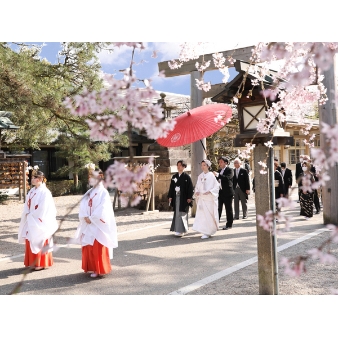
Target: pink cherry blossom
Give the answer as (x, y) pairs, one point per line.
(202, 85)
(291, 268)
(268, 144)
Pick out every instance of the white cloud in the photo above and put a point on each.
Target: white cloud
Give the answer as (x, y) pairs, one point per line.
(116, 57)
(166, 51)
(170, 50)
(119, 57)
(170, 81)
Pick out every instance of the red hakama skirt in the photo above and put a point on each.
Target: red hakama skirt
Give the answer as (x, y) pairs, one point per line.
(38, 260)
(96, 258)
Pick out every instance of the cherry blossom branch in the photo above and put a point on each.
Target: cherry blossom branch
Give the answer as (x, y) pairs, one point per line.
(117, 109)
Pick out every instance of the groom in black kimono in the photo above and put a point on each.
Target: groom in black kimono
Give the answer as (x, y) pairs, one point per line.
(180, 197)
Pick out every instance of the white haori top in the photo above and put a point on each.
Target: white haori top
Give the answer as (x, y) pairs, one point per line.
(207, 182)
(206, 218)
(38, 219)
(97, 206)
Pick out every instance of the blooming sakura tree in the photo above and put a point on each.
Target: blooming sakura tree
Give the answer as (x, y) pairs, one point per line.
(117, 109)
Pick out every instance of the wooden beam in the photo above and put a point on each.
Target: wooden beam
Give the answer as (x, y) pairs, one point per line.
(243, 54)
(215, 89)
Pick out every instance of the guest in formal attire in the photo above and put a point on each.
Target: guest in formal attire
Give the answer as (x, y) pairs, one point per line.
(247, 166)
(226, 193)
(287, 177)
(299, 171)
(305, 197)
(180, 197)
(279, 184)
(241, 184)
(206, 196)
(38, 224)
(275, 159)
(315, 191)
(96, 232)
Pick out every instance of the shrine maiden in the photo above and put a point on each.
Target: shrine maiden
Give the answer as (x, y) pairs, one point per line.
(97, 232)
(38, 224)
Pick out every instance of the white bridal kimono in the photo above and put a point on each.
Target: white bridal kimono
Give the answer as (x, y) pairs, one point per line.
(96, 205)
(206, 218)
(38, 219)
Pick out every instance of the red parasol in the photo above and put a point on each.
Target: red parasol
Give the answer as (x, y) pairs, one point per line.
(197, 124)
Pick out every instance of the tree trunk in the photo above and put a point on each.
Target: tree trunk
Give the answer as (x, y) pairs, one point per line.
(328, 114)
(76, 179)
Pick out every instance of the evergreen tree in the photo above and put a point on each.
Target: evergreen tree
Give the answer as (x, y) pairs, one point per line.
(34, 91)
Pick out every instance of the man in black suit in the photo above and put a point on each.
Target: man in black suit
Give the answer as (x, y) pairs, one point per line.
(287, 177)
(279, 184)
(226, 193)
(241, 185)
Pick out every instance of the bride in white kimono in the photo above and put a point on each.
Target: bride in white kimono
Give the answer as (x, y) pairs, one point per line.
(206, 195)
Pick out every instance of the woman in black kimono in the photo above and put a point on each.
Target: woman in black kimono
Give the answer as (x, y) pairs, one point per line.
(305, 197)
(180, 197)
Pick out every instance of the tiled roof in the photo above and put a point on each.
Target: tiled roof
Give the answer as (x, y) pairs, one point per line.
(5, 122)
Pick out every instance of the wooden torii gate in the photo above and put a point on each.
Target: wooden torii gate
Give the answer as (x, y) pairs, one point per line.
(267, 275)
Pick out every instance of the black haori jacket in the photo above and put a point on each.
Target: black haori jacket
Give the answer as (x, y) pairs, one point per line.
(186, 190)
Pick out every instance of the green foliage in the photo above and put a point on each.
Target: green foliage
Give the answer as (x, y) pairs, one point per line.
(60, 188)
(80, 150)
(65, 187)
(34, 91)
(80, 189)
(3, 197)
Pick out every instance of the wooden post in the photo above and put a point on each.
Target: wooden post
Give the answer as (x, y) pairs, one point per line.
(20, 178)
(116, 199)
(328, 114)
(153, 192)
(197, 151)
(149, 197)
(24, 181)
(264, 238)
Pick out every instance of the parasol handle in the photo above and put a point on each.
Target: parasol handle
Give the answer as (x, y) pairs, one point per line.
(203, 147)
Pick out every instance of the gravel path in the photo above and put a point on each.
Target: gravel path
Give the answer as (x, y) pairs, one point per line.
(320, 279)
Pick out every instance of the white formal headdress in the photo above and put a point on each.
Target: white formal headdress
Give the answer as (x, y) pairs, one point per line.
(208, 163)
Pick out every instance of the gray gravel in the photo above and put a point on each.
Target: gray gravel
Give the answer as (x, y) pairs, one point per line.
(320, 279)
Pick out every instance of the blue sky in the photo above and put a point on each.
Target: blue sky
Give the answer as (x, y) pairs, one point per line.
(120, 59)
